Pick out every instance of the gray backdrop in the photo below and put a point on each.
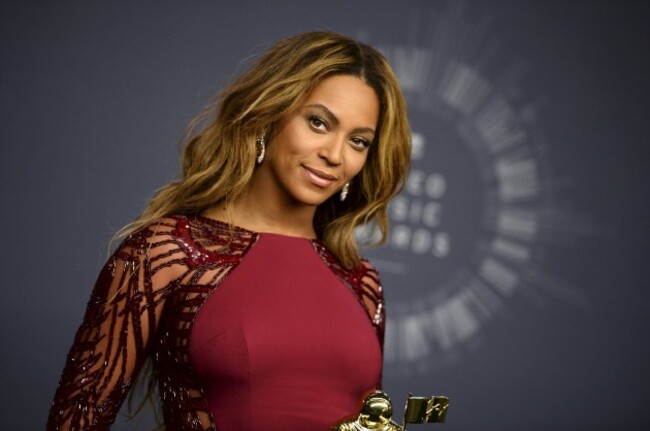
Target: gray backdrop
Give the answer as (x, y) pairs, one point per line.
(516, 273)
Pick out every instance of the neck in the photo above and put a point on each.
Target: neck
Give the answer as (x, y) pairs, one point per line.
(261, 210)
(263, 213)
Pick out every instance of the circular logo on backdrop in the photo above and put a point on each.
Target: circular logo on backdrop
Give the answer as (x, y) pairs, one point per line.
(465, 231)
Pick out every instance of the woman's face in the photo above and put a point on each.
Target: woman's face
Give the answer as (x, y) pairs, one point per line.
(325, 142)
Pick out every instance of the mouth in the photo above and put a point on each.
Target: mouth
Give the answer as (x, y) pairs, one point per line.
(318, 177)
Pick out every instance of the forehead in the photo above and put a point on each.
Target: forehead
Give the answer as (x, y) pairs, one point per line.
(347, 95)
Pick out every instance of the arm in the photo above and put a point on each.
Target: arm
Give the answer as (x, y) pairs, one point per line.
(112, 341)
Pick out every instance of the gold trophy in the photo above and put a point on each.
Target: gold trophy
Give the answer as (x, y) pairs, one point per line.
(377, 411)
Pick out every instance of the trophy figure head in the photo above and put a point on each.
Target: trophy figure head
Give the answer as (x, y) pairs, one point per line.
(376, 411)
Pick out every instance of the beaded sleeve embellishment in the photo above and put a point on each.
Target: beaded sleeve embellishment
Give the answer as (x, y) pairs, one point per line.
(143, 306)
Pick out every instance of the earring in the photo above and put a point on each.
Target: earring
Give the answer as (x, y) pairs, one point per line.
(344, 191)
(261, 143)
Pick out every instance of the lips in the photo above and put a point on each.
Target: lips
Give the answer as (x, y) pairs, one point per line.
(318, 177)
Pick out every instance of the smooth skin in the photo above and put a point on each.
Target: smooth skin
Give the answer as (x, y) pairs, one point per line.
(318, 148)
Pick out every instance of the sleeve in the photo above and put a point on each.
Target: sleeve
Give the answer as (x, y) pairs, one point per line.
(373, 297)
(113, 339)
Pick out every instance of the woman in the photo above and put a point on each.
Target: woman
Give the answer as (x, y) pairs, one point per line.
(242, 280)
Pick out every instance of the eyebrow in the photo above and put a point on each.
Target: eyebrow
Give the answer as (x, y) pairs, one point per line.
(334, 119)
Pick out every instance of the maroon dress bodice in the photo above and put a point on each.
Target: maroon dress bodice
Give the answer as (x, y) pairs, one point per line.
(246, 331)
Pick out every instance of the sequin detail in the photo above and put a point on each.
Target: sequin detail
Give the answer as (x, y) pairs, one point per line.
(144, 304)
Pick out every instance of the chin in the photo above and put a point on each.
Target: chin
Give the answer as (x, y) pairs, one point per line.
(310, 198)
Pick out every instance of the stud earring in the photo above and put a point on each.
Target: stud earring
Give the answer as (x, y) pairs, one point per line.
(344, 191)
(262, 149)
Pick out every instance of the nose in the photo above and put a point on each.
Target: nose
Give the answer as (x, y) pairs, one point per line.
(332, 150)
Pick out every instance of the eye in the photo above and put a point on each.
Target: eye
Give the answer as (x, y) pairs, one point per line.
(318, 123)
(360, 142)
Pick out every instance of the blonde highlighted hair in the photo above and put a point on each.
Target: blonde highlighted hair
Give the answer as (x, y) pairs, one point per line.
(219, 155)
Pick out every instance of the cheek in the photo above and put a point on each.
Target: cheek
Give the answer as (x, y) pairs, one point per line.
(283, 148)
(297, 143)
(356, 163)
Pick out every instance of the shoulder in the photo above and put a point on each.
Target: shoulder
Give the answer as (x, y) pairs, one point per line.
(196, 240)
(147, 259)
(369, 277)
(368, 268)
(177, 228)
(162, 232)
(372, 294)
(157, 243)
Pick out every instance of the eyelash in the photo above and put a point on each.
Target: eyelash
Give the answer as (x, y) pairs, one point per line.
(316, 122)
(314, 119)
(361, 141)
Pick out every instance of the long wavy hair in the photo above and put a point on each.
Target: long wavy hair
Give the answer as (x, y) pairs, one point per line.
(218, 158)
(219, 153)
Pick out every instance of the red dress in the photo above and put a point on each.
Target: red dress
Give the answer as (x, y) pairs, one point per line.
(246, 330)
